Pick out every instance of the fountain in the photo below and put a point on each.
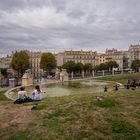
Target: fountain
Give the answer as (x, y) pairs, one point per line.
(68, 88)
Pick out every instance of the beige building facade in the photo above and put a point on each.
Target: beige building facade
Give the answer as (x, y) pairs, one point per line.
(77, 56)
(5, 61)
(59, 58)
(123, 58)
(134, 53)
(34, 59)
(102, 58)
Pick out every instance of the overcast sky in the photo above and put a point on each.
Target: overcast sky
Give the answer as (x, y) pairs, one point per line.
(58, 25)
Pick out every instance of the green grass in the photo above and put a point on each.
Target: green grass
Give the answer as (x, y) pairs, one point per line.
(106, 103)
(120, 78)
(3, 99)
(123, 129)
(78, 117)
(42, 106)
(22, 135)
(81, 117)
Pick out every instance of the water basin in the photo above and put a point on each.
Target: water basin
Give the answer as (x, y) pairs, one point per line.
(68, 88)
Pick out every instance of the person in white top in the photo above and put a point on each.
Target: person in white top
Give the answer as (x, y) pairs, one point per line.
(36, 94)
(22, 94)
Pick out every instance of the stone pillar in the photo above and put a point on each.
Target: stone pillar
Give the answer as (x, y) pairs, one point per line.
(72, 75)
(112, 71)
(122, 71)
(103, 73)
(83, 74)
(93, 73)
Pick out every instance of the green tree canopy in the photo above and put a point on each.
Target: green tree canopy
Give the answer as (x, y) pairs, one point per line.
(103, 66)
(88, 66)
(79, 66)
(112, 64)
(48, 62)
(96, 67)
(70, 66)
(106, 66)
(3, 72)
(136, 64)
(20, 62)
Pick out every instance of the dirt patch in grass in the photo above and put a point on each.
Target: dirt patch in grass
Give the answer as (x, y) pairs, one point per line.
(15, 115)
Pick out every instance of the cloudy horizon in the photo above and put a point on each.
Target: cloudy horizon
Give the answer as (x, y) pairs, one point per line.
(59, 25)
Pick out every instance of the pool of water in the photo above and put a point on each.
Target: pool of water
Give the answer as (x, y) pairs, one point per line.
(68, 88)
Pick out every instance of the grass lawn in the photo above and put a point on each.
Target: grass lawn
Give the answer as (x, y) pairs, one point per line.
(3, 99)
(75, 117)
(121, 78)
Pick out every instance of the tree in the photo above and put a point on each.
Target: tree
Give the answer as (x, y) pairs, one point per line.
(103, 66)
(136, 64)
(4, 72)
(96, 68)
(112, 64)
(70, 66)
(20, 62)
(48, 62)
(88, 66)
(79, 66)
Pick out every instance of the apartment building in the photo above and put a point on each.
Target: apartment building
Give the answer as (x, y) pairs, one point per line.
(122, 59)
(59, 58)
(134, 53)
(102, 58)
(81, 56)
(6, 61)
(34, 59)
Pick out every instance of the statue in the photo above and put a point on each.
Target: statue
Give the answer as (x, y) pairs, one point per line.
(64, 75)
(57, 74)
(27, 78)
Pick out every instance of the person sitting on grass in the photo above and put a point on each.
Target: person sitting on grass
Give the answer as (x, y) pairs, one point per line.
(36, 94)
(22, 96)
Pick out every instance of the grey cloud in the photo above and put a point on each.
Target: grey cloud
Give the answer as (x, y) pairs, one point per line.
(58, 25)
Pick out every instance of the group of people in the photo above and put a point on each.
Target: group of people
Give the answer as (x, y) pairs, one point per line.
(22, 95)
(133, 85)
